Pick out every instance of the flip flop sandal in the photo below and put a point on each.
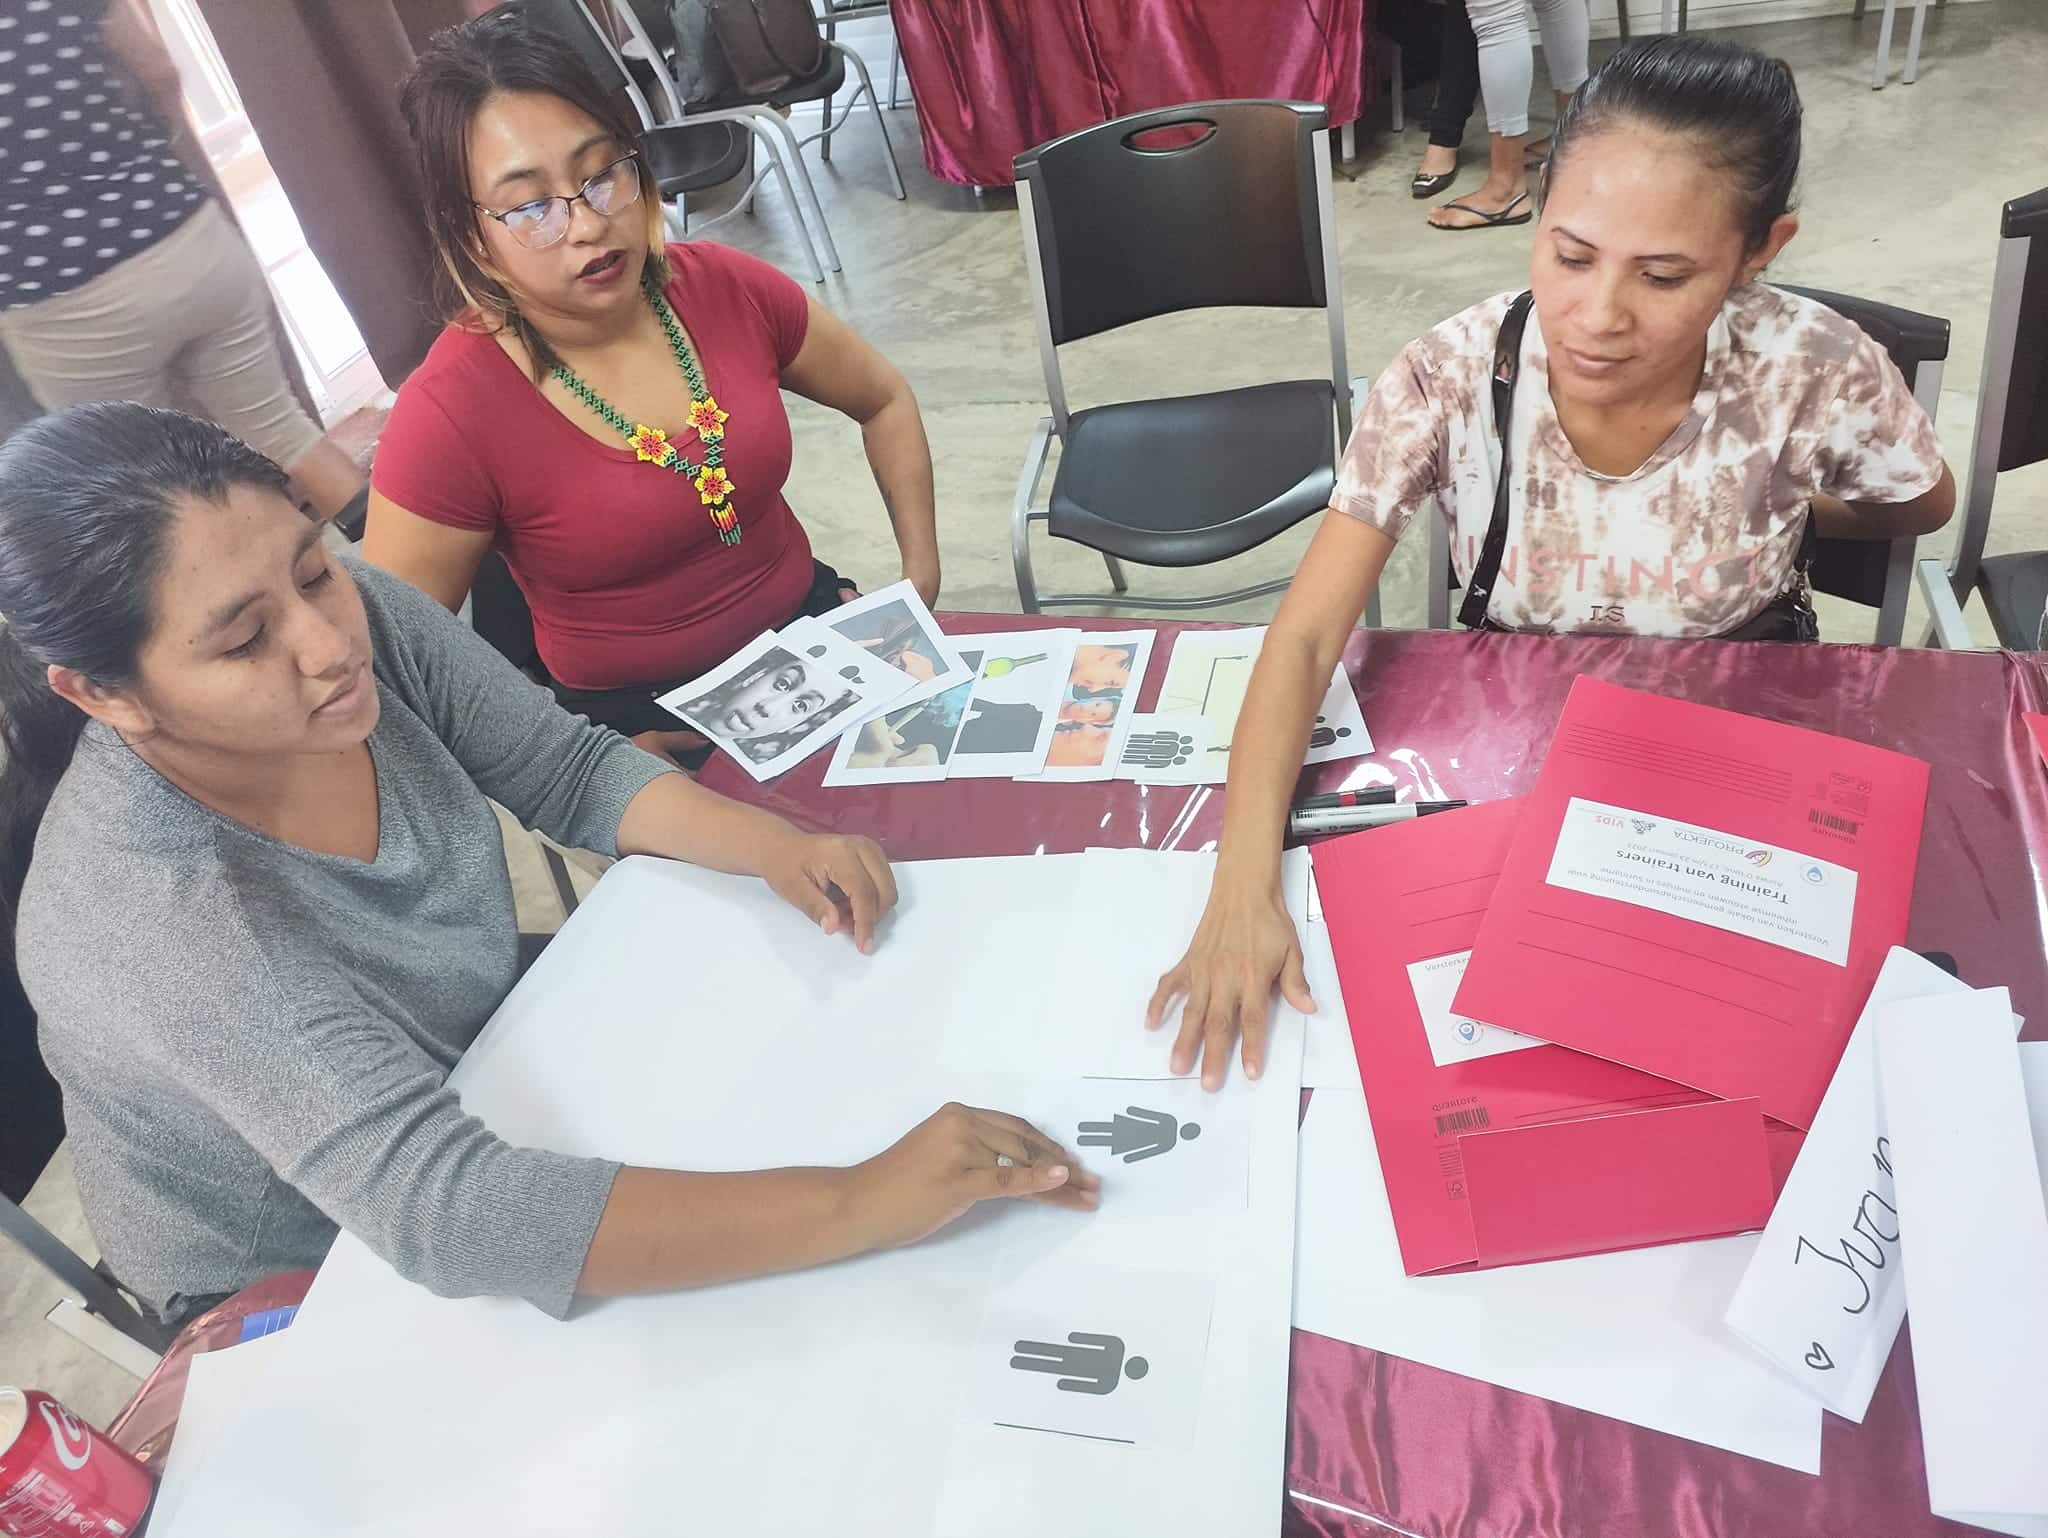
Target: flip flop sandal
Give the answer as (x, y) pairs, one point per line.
(1425, 185)
(1487, 221)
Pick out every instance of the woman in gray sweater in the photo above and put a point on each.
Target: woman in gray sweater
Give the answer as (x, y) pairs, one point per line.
(260, 905)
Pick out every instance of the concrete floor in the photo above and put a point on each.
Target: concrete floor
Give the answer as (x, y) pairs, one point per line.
(1901, 196)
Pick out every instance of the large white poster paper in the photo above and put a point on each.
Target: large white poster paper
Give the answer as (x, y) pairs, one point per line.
(1974, 1239)
(1635, 1335)
(686, 1412)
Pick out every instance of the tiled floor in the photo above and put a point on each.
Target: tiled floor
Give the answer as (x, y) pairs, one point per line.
(1902, 189)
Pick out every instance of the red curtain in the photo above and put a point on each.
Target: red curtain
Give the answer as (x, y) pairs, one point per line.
(995, 77)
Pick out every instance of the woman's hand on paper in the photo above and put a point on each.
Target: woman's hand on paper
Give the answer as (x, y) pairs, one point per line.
(956, 1157)
(840, 882)
(1225, 981)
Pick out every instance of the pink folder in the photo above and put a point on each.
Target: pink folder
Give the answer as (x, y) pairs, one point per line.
(1798, 811)
(1528, 1155)
(2037, 728)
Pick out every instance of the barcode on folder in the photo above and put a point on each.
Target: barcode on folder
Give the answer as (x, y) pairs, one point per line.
(1834, 824)
(1461, 1121)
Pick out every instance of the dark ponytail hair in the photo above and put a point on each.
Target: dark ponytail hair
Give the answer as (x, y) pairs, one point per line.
(87, 499)
(1738, 106)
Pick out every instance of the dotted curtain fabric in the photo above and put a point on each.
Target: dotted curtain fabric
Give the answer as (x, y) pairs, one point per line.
(88, 177)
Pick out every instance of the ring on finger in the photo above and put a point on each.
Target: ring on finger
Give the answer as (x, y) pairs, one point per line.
(1004, 1161)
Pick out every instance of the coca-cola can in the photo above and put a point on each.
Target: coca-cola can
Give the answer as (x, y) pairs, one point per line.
(61, 1479)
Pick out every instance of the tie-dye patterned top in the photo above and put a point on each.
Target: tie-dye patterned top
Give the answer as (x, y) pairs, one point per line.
(1794, 400)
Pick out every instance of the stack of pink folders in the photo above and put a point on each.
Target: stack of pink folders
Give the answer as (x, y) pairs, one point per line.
(1685, 914)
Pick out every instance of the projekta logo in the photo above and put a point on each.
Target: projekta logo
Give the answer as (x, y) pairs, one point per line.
(1719, 841)
(1758, 857)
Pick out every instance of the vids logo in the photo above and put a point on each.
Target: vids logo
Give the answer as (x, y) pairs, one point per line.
(1758, 857)
(1643, 825)
(1816, 876)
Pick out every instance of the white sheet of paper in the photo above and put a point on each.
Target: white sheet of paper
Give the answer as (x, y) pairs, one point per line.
(1330, 1057)
(1456, 1038)
(1163, 750)
(686, 1412)
(908, 745)
(1207, 676)
(1098, 706)
(894, 625)
(1161, 1145)
(783, 696)
(1338, 730)
(1822, 1300)
(1009, 721)
(1128, 926)
(1779, 896)
(1974, 1241)
(1105, 1355)
(2034, 1071)
(217, 1386)
(1634, 1335)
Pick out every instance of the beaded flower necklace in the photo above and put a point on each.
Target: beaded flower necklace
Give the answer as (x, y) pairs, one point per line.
(652, 444)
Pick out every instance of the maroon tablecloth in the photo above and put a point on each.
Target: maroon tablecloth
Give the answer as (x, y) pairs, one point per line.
(1471, 715)
(995, 77)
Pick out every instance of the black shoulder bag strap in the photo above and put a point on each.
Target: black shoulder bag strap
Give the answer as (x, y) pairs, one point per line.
(1507, 363)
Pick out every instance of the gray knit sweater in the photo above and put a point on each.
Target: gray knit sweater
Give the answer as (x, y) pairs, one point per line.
(254, 1040)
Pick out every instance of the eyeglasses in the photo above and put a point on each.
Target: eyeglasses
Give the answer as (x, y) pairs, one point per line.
(543, 222)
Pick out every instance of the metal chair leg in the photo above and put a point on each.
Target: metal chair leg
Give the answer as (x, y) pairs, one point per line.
(895, 72)
(1021, 515)
(69, 1268)
(1116, 572)
(794, 167)
(1913, 42)
(1396, 108)
(1947, 628)
(1883, 66)
(867, 85)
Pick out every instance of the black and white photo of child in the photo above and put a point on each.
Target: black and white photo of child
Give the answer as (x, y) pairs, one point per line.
(786, 695)
(773, 704)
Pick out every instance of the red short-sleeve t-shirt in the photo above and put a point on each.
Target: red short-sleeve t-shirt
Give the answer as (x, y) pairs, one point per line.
(618, 560)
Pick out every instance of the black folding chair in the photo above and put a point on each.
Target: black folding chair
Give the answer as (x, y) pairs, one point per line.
(2012, 432)
(1213, 203)
(30, 1133)
(1875, 573)
(654, 41)
(684, 157)
(1879, 573)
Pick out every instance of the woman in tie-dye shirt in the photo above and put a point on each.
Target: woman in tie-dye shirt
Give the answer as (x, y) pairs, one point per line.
(1677, 424)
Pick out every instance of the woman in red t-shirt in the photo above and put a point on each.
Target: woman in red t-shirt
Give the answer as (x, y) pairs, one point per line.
(606, 409)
